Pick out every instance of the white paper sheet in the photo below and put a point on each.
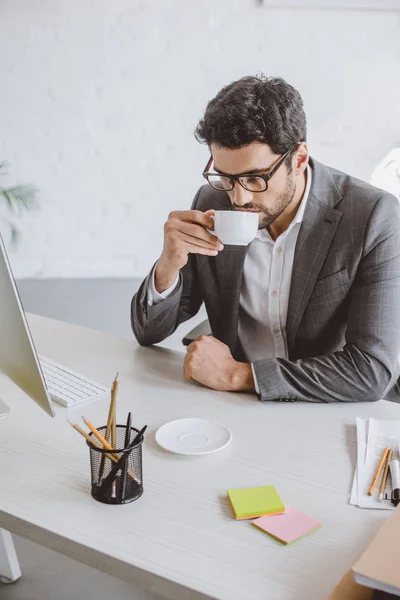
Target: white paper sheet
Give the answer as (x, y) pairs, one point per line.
(373, 437)
(381, 434)
(354, 490)
(361, 429)
(362, 439)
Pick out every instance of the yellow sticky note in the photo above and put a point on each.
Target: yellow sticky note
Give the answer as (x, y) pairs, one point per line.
(248, 503)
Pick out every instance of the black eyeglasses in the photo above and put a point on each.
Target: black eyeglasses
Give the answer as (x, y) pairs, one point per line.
(253, 183)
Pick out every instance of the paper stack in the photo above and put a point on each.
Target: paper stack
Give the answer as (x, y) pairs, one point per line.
(373, 437)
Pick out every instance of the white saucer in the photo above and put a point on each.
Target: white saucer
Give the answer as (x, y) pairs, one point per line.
(193, 437)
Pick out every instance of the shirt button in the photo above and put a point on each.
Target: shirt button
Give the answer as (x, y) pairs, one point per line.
(276, 331)
(279, 249)
(274, 293)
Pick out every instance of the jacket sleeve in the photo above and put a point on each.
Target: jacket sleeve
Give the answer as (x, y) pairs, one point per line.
(153, 323)
(368, 363)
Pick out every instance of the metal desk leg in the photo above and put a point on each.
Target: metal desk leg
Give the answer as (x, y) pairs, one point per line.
(9, 565)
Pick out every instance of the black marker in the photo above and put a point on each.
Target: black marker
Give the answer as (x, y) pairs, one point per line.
(395, 474)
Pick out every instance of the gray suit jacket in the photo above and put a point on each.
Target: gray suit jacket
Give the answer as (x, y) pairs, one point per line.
(343, 321)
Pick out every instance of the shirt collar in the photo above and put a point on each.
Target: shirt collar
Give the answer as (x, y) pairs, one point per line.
(263, 234)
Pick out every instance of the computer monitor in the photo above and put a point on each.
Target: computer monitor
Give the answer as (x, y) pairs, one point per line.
(18, 357)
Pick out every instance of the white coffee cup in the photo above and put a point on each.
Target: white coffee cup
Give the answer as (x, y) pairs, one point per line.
(235, 227)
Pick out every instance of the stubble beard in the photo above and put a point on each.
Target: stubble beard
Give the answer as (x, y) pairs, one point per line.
(268, 216)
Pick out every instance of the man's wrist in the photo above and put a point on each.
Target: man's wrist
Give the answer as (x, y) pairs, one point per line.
(163, 277)
(243, 380)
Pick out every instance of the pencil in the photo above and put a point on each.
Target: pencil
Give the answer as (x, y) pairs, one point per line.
(111, 411)
(113, 408)
(97, 434)
(92, 441)
(102, 440)
(113, 423)
(110, 479)
(384, 476)
(109, 422)
(378, 472)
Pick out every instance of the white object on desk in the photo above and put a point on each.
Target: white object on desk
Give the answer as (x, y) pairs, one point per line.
(193, 437)
(68, 388)
(180, 540)
(372, 437)
(19, 359)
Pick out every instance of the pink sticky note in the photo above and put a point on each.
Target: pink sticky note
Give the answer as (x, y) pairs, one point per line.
(287, 527)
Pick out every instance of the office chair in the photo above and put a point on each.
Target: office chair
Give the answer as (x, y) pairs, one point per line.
(202, 329)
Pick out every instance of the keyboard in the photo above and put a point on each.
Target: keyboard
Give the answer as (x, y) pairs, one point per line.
(67, 387)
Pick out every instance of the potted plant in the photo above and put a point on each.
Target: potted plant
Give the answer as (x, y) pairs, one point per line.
(16, 198)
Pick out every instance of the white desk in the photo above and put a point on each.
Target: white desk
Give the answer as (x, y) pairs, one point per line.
(180, 539)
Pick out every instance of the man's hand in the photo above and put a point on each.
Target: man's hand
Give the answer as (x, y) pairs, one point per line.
(184, 233)
(211, 363)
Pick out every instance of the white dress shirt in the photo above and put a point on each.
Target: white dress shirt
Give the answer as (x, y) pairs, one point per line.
(264, 295)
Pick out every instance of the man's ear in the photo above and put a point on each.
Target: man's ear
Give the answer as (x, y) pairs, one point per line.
(301, 158)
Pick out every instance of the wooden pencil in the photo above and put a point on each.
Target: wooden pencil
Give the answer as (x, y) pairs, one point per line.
(113, 408)
(97, 434)
(101, 439)
(92, 441)
(110, 418)
(378, 472)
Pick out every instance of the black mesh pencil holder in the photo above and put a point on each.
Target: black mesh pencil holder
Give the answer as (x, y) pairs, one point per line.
(116, 476)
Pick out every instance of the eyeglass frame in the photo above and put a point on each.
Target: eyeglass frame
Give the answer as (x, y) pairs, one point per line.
(234, 178)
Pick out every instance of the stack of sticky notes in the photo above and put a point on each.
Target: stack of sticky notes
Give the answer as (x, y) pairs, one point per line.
(288, 526)
(248, 503)
(285, 524)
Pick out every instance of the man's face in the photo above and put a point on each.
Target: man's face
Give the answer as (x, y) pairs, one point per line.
(281, 187)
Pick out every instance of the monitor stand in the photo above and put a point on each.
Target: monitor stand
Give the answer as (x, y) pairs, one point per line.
(4, 409)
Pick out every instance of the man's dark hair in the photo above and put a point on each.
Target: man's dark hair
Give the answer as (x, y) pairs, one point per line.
(254, 109)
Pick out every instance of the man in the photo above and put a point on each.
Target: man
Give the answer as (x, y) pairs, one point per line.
(310, 310)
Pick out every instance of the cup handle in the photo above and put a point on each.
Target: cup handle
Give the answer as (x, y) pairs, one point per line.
(212, 231)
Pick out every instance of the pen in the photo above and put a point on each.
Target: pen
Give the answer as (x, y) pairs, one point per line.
(122, 487)
(395, 474)
(138, 436)
(107, 481)
(384, 476)
(378, 472)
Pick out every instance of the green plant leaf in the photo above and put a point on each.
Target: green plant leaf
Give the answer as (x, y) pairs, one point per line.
(15, 235)
(20, 196)
(17, 198)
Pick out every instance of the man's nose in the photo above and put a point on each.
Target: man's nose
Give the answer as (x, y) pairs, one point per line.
(240, 196)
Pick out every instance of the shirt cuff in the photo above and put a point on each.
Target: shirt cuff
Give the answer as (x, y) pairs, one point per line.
(255, 379)
(154, 297)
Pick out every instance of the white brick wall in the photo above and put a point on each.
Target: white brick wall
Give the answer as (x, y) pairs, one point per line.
(99, 99)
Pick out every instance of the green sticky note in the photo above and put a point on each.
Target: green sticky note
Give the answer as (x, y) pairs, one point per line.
(248, 503)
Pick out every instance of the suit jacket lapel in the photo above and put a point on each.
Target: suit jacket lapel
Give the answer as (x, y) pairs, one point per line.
(317, 231)
(229, 264)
